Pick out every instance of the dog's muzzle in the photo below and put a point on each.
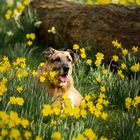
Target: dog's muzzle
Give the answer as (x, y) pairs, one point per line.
(64, 74)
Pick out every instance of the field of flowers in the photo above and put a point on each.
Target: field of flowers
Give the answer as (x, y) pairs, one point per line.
(111, 106)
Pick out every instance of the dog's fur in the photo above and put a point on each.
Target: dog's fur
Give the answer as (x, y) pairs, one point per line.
(62, 62)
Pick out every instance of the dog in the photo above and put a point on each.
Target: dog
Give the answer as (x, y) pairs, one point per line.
(62, 62)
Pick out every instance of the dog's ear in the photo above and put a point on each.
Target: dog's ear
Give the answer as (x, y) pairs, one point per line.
(74, 55)
(49, 52)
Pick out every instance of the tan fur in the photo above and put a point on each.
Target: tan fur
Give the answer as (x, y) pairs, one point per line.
(61, 88)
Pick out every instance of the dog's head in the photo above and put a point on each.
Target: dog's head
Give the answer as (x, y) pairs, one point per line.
(62, 62)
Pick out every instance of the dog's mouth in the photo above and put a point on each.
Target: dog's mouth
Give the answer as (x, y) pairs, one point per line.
(63, 78)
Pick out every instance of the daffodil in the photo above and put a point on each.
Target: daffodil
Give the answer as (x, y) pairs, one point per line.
(27, 135)
(34, 73)
(120, 73)
(103, 138)
(124, 52)
(128, 102)
(41, 64)
(14, 134)
(42, 79)
(89, 62)
(26, 2)
(135, 49)
(8, 14)
(53, 122)
(38, 138)
(56, 136)
(99, 56)
(19, 89)
(29, 43)
(104, 115)
(75, 47)
(52, 30)
(116, 44)
(104, 71)
(46, 110)
(102, 89)
(123, 66)
(4, 132)
(16, 100)
(83, 55)
(115, 58)
(135, 67)
(98, 79)
(89, 134)
(24, 123)
(79, 137)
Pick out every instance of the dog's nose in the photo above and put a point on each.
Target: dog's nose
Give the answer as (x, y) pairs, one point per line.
(65, 68)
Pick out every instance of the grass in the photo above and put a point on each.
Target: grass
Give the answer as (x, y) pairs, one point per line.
(108, 117)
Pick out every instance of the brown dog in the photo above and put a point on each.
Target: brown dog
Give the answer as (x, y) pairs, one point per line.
(62, 62)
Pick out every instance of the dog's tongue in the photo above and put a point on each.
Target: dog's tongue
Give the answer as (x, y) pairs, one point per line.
(64, 79)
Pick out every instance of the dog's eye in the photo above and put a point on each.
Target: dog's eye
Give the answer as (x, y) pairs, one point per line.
(68, 58)
(57, 59)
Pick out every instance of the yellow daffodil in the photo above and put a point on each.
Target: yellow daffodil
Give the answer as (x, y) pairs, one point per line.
(89, 134)
(89, 62)
(27, 135)
(52, 30)
(56, 136)
(34, 73)
(41, 64)
(42, 79)
(8, 14)
(128, 102)
(123, 66)
(24, 123)
(82, 50)
(38, 138)
(16, 100)
(98, 79)
(103, 138)
(120, 73)
(98, 62)
(83, 55)
(102, 89)
(135, 49)
(29, 43)
(116, 44)
(104, 71)
(124, 52)
(14, 134)
(104, 115)
(79, 137)
(26, 2)
(4, 132)
(135, 67)
(46, 110)
(19, 89)
(76, 47)
(99, 56)
(115, 58)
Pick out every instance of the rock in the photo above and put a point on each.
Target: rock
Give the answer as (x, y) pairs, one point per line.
(92, 25)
